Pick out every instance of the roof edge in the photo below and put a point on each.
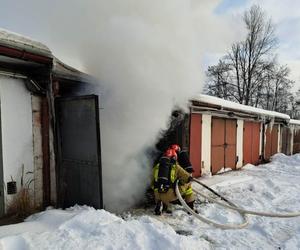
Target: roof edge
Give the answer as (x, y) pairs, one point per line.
(225, 104)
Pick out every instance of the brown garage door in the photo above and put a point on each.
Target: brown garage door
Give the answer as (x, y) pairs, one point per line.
(195, 143)
(271, 146)
(274, 148)
(268, 144)
(223, 144)
(251, 140)
(296, 145)
(255, 142)
(286, 141)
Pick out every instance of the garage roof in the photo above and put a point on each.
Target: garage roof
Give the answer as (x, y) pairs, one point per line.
(14, 40)
(14, 49)
(222, 104)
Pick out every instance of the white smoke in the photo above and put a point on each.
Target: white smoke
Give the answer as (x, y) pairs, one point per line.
(147, 58)
(148, 61)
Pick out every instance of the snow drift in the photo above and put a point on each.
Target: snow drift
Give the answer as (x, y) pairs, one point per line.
(271, 187)
(87, 228)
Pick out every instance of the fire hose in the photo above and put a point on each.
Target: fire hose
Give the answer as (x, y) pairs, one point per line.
(229, 205)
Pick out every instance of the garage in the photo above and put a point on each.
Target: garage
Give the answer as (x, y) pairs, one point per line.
(229, 135)
(251, 142)
(223, 144)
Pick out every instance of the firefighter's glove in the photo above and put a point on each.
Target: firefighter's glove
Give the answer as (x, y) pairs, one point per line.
(180, 182)
(190, 179)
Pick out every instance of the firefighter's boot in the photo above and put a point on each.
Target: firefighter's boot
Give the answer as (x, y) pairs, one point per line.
(158, 208)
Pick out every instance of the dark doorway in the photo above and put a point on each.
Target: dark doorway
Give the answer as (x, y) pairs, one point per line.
(177, 132)
(1, 173)
(79, 175)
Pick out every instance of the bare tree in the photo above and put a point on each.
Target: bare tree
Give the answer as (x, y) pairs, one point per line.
(250, 58)
(220, 80)
(294, 105)
(275, 90)
(282, 87)
(249, 73)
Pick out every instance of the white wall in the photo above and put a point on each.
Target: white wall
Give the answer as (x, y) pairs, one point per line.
(206, 144)
(239, 143)
(17, 141)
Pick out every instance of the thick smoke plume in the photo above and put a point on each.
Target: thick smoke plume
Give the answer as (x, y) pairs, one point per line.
(146, 57)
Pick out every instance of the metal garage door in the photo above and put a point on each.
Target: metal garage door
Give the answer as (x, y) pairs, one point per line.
(195, 143)
(271, 146)
(268, 144)
(79, 159)
(296, 144)
(274, 147)
(223, 144)
(286, 141)
(255, 142)
(251, 140)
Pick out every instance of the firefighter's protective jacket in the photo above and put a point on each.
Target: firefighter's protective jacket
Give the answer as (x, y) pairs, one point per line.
(177, 173)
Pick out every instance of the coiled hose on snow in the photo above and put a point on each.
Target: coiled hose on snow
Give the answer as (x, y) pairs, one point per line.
(229, 205)
(208, 221)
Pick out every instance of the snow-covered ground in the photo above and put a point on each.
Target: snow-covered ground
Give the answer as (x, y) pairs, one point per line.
(271, 187)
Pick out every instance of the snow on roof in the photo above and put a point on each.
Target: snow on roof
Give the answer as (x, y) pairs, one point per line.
(65, 71)
(14, 40)
(237, 106)
(11, 39)
(295, 122)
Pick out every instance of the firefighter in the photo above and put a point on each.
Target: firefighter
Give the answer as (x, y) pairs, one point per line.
(165, 174)
(183, 158)
(184, 162)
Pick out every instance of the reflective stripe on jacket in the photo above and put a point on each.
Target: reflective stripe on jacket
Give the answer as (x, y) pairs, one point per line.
(185, 186)
(187, 191)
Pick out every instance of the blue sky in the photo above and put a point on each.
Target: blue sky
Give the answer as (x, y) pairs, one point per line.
(285, 16)
(227, 5)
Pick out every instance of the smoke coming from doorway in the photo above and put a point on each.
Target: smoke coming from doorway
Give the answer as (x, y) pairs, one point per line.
(146, 57)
